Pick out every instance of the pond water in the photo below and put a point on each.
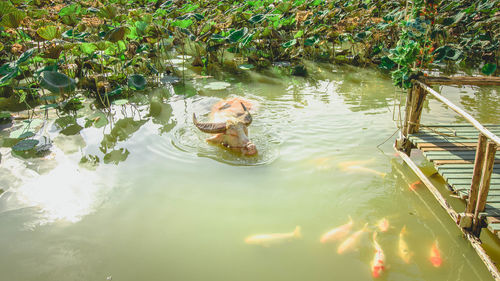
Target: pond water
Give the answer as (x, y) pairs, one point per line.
(154, 201)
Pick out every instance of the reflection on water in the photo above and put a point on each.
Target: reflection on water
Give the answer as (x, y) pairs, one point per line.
(137, 194)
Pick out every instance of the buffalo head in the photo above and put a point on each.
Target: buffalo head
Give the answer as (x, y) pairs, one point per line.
(232, 134)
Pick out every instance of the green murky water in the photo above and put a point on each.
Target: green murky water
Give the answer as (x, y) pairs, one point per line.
(164, 205)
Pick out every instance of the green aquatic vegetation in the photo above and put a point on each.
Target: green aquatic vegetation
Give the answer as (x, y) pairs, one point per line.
(107, 53)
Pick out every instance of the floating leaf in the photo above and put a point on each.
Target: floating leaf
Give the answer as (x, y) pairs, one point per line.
(71, 130)
(49, 32)
(120, 102)
(57, 83)
(217, 85)
(170, 79)
(137, 82)
(489, 68)
(185, 90)
(25, 145)
(108, 12)
(26, 135)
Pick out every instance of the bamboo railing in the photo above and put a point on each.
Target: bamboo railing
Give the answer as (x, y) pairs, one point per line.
(469, 222)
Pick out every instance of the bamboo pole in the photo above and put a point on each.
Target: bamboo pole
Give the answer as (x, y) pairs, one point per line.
(476, 175)
(461, 112)
(463, 80)
(403, 143)
(484, 186)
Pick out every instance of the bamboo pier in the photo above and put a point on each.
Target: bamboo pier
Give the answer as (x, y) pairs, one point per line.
(463, 154)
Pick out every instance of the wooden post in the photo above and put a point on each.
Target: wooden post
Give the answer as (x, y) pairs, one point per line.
(484, 186)
(416, 110)
(476, 175)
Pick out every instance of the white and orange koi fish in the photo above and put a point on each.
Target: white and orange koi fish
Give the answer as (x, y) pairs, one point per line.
(378, 263)
(435, 255)
(267, 240)
(338, 232)
(357, 166)
(351, 241)
(383, 225)
(403, 249)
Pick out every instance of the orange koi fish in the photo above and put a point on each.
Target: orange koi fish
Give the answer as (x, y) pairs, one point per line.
(350, 242)
(338, 232)
(378, 263)
(403, 250)
(383, 225)
(414, 185)
(267, 240)
(435, 256)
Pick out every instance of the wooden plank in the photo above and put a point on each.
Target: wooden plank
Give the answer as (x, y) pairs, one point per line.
(468, 181)
(451, 148)
(462, 80)
(463, 176)
(460, 125)
(445, 144)
(442, 162)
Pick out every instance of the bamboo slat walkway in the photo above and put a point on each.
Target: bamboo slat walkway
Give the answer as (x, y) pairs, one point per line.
(452, 150)
(465, 156)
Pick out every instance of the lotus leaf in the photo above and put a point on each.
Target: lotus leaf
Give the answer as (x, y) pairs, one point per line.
(237, 35)
(489, 68)
(217, 85)
(117, 34)
(137, 82)
(25, 56)
(4, 116)
(25, 145)
(13, 19)
(108, 12)
(185, 90)
(256, 18)
(49, 32)
(56, 82)
(182, 23)
(289, 43)
(26, 135)
(71, 130)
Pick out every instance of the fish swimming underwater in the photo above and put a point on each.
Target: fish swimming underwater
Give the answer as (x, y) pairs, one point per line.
(338, 232)
(403, 250)
(414, 185)
(267, 240)
(351, 241)
(383, 225)
(378, 263)
(357, 166)
(435, 255)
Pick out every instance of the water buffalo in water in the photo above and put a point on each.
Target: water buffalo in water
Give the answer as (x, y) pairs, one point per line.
(230, 119)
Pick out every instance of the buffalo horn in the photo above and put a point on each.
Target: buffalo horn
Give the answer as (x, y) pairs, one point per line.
(248, 117)
(211, 128)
